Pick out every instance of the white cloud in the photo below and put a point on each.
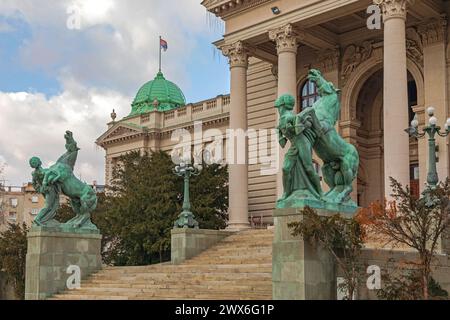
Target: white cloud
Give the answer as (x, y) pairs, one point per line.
(117, 44)
(100, 67)
(33, 125)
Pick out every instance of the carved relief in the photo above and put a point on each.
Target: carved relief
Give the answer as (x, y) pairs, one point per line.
(433, 31)
(237, 54)
(328, 60)
(353, 56)
(414, 47)
(285, 38)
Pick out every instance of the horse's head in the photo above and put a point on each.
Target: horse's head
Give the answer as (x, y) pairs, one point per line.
(323, 86)
(315, 75)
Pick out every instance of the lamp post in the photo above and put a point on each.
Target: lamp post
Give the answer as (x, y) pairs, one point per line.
(186, 218)
(431, 129)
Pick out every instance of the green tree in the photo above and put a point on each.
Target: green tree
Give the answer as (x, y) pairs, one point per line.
(13, 250)
(209, 197)
(343, 238)
(144, 201)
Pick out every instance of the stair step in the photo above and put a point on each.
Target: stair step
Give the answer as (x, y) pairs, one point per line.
(237, 268)
(172, 283)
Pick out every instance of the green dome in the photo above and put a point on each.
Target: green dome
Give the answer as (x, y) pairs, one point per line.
(158, 93)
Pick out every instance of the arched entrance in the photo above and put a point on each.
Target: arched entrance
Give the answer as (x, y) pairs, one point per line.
(369, 114)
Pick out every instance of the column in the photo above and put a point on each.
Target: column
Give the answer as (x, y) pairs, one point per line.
(433, 36)
(396, 142)
(238, 172)
(287, 44)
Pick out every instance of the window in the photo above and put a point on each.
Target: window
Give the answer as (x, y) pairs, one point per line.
(414, 180)
(14, 202)
(412, 98)
(308, 95)
(34, 211)
(12, 216)
(35, 199)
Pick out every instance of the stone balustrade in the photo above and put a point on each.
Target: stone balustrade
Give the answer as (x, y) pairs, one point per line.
(197, 111)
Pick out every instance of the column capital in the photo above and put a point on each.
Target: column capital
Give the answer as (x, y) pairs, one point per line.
(392, 8)
(433, 31)
(237, 54)
(285, 38)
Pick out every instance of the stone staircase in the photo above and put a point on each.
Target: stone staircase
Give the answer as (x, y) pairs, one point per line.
(237, 268)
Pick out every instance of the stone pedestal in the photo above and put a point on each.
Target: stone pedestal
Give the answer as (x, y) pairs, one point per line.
(187, 243)
(51, 251)
(300, 271)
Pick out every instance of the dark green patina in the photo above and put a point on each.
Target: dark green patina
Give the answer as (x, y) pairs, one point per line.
(57, 179)
(314, 129)
(158, 94)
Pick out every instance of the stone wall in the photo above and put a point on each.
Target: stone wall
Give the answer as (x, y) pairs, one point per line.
(390, 260)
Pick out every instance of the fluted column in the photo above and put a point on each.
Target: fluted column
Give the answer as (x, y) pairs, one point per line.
(434, 36)
(396, 142)
(287, 44)
(238, 172)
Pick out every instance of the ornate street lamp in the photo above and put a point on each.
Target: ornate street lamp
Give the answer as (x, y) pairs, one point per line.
(431, 129)
(186, 218)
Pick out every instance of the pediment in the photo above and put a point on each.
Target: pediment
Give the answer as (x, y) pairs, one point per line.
(119, 131)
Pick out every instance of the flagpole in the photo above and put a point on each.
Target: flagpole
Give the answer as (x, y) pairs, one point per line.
(159, 53)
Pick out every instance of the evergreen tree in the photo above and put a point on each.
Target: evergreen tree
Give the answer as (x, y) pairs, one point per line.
(13, 251)
(145, 198)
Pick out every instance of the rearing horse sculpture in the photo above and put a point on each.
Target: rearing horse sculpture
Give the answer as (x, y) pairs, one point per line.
(59, 178)
(314, 129)
(341, 159)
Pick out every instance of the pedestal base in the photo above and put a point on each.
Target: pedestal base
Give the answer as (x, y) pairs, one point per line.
(51, 251)
(300, 271)
(187, 243)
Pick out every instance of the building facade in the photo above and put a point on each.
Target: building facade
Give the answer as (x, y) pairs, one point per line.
(387, 74)
(19, 205)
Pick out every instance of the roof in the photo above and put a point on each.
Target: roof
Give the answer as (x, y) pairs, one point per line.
(159, 94)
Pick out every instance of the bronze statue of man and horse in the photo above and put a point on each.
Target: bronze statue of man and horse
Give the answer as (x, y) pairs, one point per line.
(314, 129)
(59, 179)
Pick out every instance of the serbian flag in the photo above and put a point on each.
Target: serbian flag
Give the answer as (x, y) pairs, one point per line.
(163, 44)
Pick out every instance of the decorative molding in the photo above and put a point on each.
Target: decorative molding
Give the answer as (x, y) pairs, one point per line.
(286, 38)
(353, 56)
(433, 31)
(224, 8)
(414, 46)
(328, 60)
(119, 132)
(274, 71)
(237, 54)
(392, 8)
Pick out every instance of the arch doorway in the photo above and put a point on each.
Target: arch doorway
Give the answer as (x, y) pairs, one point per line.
(369, 113)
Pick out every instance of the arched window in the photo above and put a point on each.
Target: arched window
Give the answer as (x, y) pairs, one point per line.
(308, 95)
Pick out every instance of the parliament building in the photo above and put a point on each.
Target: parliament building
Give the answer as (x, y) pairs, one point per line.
(387, 74)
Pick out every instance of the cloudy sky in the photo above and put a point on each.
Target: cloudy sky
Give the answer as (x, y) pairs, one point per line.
(60, 70)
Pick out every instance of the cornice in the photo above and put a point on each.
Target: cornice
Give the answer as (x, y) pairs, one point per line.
(225, 8)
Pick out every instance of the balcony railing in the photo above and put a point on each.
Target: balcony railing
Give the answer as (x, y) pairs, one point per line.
(197, 111)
